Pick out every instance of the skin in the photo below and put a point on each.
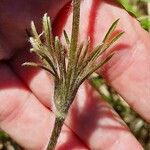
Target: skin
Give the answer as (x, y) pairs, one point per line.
(25, 92)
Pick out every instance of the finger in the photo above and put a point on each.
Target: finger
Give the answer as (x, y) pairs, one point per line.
(25, 119)
(128, 71)
(132, 51)
(33, 77)
(97, 124)
(15, 20)
(93, 120)
(88, 113)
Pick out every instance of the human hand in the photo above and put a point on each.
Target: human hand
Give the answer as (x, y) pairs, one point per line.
(15, 18)
(91, 123)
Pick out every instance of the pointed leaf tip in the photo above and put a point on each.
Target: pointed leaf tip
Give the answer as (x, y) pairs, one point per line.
(111, 30)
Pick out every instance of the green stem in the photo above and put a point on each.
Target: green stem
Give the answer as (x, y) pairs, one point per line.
(74, 39)
(75, 27)
(59, 121)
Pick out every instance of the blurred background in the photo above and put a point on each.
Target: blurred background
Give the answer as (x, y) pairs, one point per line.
(140, 128)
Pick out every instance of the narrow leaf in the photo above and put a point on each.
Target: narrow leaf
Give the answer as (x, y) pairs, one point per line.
(111, 30)
(45, 57)
(90, 58)
(74, 41)
(77, 62)
(85, 49)
(95, 52)
(116, 37)
(101, 64)
(60, 52)
(66, 37)
(34, 43)
(32, 64)
(74, 36)
(87, 74)
(48, 30)
(49, 38)
(34, 32)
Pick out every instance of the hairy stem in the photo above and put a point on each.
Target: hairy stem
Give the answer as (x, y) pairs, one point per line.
(59, 121)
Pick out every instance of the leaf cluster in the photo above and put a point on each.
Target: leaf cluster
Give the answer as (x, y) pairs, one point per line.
(71, 64)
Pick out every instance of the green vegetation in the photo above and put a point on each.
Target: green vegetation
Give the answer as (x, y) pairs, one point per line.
(140, 9)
